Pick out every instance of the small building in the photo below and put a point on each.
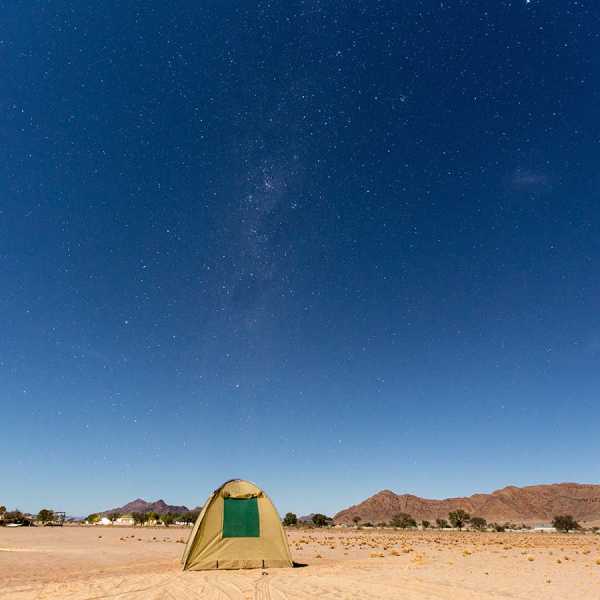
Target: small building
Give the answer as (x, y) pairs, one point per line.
(125, 520)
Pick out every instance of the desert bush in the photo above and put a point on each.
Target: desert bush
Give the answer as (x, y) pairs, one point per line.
(478, 523)
(441, 523)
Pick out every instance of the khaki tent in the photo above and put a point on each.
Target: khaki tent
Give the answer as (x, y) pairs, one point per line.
(238, 528)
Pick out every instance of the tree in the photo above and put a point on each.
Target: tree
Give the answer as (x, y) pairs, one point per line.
(498, 528)
(441, 523)
(139, 518)
(2, 510)
(403, 520)
(320, 520)
(15, 516)
(290, 519)
(478, 523)
(565, 523)
(459, 518)
(425, 524)
(45, 516)
(93, 518)
(113, 516)
(190, 516)
(356, 520)
(167, 519)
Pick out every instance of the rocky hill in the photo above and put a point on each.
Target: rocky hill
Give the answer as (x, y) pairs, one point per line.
(138, 505)
(531, 504)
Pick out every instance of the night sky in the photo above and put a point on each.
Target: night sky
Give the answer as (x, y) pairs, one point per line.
(330, 247)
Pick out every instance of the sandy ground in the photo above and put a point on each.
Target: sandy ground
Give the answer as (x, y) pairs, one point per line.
(77, 563)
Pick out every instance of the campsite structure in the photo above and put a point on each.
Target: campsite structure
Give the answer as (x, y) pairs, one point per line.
(238, 528)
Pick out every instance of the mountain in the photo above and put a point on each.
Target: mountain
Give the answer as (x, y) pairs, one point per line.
(531, 504)
(306, 518)
(141, 506)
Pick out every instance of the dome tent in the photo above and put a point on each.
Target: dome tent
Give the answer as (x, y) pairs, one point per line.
(238, 528)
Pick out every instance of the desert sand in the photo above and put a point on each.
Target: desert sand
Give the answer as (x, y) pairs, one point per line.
(77, 563)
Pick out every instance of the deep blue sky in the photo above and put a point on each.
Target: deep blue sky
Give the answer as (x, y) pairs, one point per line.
(331, 247)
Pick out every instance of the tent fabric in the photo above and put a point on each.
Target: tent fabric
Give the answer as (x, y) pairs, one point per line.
(250, 537)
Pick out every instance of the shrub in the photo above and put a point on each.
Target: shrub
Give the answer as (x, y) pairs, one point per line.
(425, 524)
(441, 523)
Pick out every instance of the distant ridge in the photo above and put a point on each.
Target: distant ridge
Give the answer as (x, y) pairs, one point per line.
(139, 505)
(531, 504)
(306, 518)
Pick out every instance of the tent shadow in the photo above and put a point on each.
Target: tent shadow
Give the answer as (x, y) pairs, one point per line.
(297, 565)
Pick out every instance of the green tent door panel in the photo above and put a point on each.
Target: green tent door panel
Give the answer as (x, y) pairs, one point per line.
(240, 518)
